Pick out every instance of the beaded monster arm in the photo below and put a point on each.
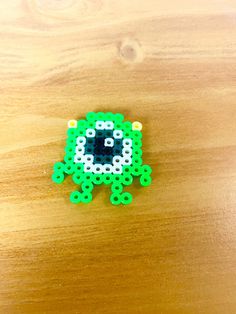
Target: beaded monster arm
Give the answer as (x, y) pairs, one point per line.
(103, 149)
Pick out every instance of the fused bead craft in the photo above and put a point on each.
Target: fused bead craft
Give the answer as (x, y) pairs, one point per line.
(103, 148)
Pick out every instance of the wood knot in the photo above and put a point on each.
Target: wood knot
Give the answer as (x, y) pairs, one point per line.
(130, 51)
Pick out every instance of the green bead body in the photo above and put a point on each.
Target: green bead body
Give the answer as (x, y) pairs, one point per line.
(118, 146)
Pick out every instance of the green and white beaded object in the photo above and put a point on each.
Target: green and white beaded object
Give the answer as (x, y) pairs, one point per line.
(103, 148)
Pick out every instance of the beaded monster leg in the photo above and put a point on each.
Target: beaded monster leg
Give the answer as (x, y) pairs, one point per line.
(58, 175)
(145, 179)
(118, 197)
(116, 189)
(85, 195)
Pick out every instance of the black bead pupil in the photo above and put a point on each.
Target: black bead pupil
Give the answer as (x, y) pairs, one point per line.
(100, 148)
(96, 146)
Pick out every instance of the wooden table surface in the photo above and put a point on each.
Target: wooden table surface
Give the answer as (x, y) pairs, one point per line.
(169, 64)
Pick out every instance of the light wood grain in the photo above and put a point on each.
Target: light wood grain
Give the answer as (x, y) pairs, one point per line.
(169, 64)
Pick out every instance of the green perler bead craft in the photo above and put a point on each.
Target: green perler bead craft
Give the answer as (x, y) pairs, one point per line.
(103, 148)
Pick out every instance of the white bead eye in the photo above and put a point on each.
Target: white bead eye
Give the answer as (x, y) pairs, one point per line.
(117, 169)
(117, 134)
(98, 168)
(79, 150)
(90, 133)
(109, 125)
(117, 160)
(88, 168)
(100, 125)
(126, 151)
(78, 158)
(107, 168)
(109, 142)
(81, 140)
(127, 142)
(127, 160)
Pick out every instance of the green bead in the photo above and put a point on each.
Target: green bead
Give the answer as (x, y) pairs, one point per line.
(58, 177)
(91, 124)
(126, 198)
(137, 161)
(137, 135)
(98, 179)
(77, 178)
(119, 117)
(145, 180)
(146, 169)
(116, 188)
(69, 168)
(127, 170)
(100, 116)
(137, 143)
(87, 186)
(127, 179)
(118, 126)
(108, 179)
(71, 141)
(72, 132)
(81, 132)
(115, 198)
(91, 116)
(88, 177)
(75, 197)
(117, 178)
(109, 116)
(68, 158)
(70, 149)
(127, 126)
(86, 198)
(136, 170)
(78, 168)
(58, 167)
(82, 124)
(127, 133)
(137, 152)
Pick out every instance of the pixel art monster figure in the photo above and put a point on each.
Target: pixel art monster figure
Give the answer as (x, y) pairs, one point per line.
(103, 148)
